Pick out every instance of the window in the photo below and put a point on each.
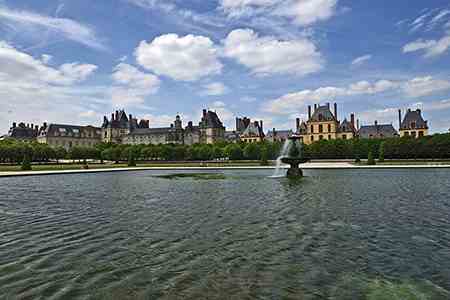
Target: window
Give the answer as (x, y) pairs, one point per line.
(421, 134)
(413, 125)
(320, 128)
(413, 134)
(329, 136)
(329, 127)
(320, 137)
(312, 138)
(312, 128)
(344, 136)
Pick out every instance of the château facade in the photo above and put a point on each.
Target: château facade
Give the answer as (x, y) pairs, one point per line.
(322, 124)
(413, 124)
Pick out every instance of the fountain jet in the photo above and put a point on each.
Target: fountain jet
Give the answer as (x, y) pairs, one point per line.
(294, 158)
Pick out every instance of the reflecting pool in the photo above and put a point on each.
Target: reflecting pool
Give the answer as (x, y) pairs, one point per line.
(339, 234)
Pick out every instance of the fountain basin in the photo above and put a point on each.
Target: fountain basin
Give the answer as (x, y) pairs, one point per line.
(294, 171)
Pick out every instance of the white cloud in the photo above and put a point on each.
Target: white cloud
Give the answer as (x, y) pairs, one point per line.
(360, 60)
(423, 86)
(160, 120)
(301, 12)
(34, 92)
(45, 58)
(215, 89)
(66, 28)
(187, 58)
(267, 55)
(306, 12)
(417, 87)
(17, 66)
(132, 85)
(432, 48)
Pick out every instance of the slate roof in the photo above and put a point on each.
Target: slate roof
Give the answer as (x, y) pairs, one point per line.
(252, 130)
(67, 130)
(377, 131)
(414, 118)
(211, 120)
(322, 113)
(22, 132)
(346, 126)
(303, 128)
(283, 134)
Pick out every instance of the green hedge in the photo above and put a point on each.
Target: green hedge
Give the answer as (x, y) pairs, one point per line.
(430, 147)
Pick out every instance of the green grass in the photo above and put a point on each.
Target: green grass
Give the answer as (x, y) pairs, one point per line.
(407, 162)
(79, 166)
(197, 176)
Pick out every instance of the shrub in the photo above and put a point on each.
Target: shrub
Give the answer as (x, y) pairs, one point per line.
(370, 159)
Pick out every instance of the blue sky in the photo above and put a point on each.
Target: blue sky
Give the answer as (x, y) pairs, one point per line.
(75, 61)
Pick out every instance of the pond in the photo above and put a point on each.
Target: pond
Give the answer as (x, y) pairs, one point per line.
(340, 234)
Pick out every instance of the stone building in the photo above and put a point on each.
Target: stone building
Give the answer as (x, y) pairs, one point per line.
(211, 128)
(68, 136)
(123, 129)
(254, 132)
(278, 135)
(413, 124)
(322, 124)
(377, 131)
(23, 132)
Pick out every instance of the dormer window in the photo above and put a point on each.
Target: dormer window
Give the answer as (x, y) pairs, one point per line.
(413, 125)
(320, 117)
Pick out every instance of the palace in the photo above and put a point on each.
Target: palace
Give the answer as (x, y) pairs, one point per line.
(322, 124)
(120, 128)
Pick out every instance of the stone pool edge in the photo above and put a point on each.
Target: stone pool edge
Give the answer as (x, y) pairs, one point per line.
(311, 166)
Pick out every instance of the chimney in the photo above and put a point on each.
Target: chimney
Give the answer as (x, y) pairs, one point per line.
(328, 105)
(32, 126)
(357, 124)
(315, 107)
(36, 128)
(204, 113)
(297, 124)
(261, 125)
(112, 117)
(335, 111)
(399, 119)
(352, 120)
(309, 112)
(130, 117)
(190, 124)
(274, 133)
(117, 115)
(45, 125)
(14, 125)
(376, 123)
(419, 111)
(409, 109)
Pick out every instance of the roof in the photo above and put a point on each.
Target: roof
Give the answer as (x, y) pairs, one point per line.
(414, 120)
(284, 134)
(322, 113)
(377, 131)
(22, 132)
(252, 130)
(302, 129)
(150, 131)
(346, 126)
(210, 120)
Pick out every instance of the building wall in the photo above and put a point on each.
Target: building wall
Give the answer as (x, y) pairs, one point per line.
(68, 142)
(114, 135)
(152, 139)
(345, 135)
(191, 138)
(413, 132)
(314, 134)
(211, 135)
(251, 139)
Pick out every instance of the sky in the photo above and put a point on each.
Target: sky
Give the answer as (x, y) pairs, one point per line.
(73, 62)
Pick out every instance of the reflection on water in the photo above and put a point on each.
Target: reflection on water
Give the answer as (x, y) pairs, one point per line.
(334, 234)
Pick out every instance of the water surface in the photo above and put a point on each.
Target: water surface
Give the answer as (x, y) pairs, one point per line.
(341, 234)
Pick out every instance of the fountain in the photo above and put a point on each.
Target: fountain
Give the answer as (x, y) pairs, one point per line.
(291, 154)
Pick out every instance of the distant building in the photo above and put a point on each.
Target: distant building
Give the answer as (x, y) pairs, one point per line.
(413, 124)
(242, 124)
(377, 131)
(23, 132)
(278, 135)
(322, 124)
(254, 133)
(232, 136)
(211, 128)
(68, 136)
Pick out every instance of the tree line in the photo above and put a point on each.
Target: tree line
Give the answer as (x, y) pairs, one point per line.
(430, 147)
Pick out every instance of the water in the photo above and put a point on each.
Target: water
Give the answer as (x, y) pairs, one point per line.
(279, 172)
(333, 235)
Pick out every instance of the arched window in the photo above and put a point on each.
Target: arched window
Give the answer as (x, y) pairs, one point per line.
(320, 128)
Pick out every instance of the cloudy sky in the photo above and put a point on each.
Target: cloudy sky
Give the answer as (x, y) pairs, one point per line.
(75, 61)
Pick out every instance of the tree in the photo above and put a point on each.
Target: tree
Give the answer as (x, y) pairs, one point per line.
(234, 152)
(251, 151)
(381, 153)
(26, 162)
(370, 159)
(131, 160)
(60, 153)
(264, 156)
